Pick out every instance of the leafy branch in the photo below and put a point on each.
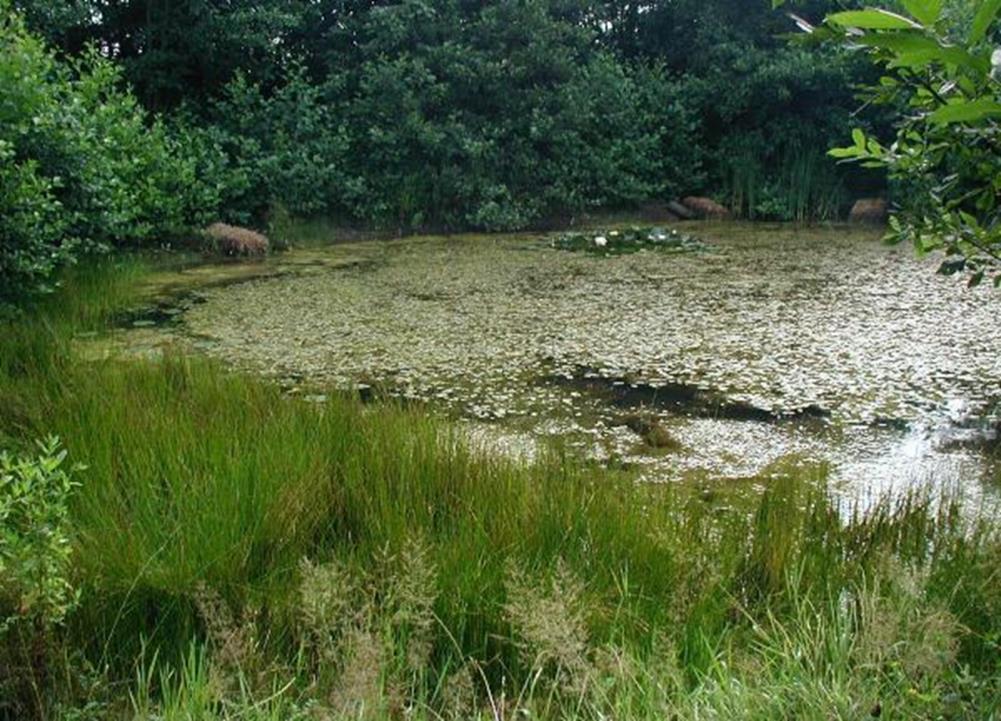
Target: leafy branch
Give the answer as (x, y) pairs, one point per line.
(944, 81)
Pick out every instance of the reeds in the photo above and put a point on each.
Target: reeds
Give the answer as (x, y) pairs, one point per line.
(802, 185)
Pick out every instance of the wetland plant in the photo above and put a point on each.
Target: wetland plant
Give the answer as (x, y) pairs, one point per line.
(628, 240)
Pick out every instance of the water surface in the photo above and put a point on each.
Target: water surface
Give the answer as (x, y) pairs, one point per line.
(822, 343)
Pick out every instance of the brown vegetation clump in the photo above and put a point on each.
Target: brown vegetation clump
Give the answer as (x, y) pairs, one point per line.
(900, 627)
(705, 208)
(234, 240)
(232, 639)
(360, 691)
(652, 431)
(550, 629)
(410, 595)
(459, 694)
(326, 604)
(369, 634)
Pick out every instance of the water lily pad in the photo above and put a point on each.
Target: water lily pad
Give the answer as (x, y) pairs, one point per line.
(631, 240)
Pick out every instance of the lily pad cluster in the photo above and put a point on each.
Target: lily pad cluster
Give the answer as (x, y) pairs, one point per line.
(628, 240)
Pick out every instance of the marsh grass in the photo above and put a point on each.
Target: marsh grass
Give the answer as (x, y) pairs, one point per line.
(245, 554)
(802, 186)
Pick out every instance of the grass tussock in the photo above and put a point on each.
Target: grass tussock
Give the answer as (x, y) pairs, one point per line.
(242, 554)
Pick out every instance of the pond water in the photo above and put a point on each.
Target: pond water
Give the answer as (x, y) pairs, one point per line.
(819, 343)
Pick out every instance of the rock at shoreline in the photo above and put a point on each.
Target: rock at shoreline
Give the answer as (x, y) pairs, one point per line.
(869, 211)
(236, 241)
(705, 208)
(655, 211)
(680, 210)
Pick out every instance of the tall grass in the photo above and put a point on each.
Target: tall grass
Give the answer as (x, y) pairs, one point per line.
(246, 554)
(801, 185)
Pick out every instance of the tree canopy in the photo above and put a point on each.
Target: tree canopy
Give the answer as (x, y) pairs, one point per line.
(443, 114)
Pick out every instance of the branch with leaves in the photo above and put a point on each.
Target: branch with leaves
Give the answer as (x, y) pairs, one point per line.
(944, 79)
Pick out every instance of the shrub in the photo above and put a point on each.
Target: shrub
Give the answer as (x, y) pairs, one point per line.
(34, 538)
(36, 593)
(31, 225)
(83, 166)
(284, 148)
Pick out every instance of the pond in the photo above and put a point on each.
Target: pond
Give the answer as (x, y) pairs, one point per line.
(775, 341)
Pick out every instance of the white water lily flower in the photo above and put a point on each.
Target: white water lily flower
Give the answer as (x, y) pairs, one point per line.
(601, 241)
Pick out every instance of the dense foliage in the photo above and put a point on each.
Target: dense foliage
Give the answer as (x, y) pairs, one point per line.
(443, 113)
(943, 71)
(766, 108)
(82, 167)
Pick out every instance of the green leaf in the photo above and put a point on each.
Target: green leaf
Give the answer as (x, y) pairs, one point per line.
(946, 55)
(906, 41)
(849, 152)
(966, 111)
(872, 20)
(927, 11)
(986, 14)
(859, 137)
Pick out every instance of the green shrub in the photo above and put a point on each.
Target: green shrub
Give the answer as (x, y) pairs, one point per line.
(765, 139)
(83, 166)
(284, 147)
(31, 225)
(498, 117)
(34, 538)
(36, 592)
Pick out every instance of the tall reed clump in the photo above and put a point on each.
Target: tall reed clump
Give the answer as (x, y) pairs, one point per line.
(239, 553)
(800, 184)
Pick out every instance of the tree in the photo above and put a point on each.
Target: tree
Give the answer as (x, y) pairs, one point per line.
(82, 166)
(767, 109)
(173, 50)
